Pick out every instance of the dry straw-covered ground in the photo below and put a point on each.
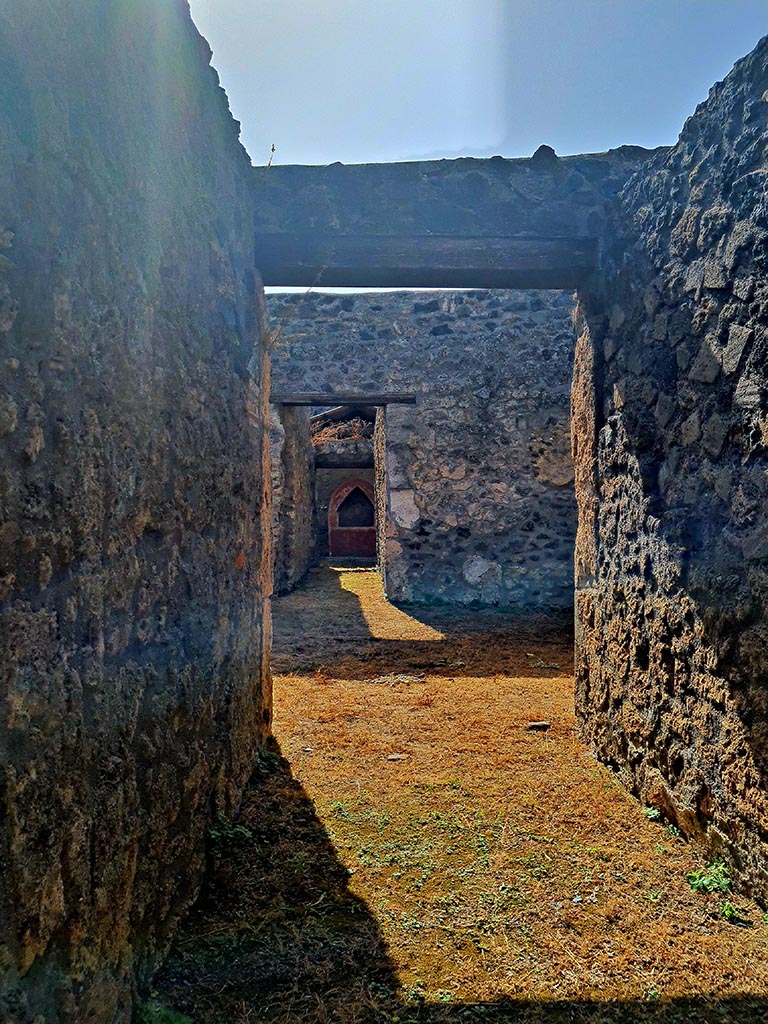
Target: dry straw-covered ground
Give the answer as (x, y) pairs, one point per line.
(411, 851)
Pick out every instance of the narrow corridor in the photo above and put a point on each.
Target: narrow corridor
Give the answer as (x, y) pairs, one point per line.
(413, 851)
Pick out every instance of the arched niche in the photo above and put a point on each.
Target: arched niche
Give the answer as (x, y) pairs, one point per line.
(352, 520)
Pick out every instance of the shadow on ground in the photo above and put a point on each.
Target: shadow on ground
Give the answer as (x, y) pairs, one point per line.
(318, 624)
(277, 936)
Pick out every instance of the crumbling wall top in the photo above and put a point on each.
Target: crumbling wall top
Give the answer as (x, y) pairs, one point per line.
(539, 196)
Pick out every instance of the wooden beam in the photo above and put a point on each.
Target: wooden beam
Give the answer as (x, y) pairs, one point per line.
(342, 398)
(423, 261)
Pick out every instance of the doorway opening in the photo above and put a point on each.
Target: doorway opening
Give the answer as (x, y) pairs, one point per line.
(352, 521)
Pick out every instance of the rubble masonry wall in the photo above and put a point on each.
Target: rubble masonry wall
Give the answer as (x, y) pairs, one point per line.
(134, 557)
(480, 500)
(671, 427)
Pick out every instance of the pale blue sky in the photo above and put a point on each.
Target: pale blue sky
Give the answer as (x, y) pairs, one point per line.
(372, 80)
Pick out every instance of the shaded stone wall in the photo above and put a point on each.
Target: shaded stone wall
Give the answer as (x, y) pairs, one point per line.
(133, 628)
(481, 507)
(544, 196)
(671, 419)
(293, 512)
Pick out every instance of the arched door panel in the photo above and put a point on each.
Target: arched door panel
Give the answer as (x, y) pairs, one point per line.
(352, 521)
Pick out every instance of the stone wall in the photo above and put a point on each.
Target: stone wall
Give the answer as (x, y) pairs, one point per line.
(293, 513)
(545, 196)
(671, 418)
(133, 689)
(481, 507)
(380, 483)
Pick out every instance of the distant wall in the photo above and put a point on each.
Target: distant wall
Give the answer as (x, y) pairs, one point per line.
(293, 502)
(133, 473)
(671, 422)
(481, 507)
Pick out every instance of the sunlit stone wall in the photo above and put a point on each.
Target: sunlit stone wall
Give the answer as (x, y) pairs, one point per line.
(671, 422)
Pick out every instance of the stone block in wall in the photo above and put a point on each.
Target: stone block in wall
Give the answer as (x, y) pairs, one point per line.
(738, 339)
(706, 365)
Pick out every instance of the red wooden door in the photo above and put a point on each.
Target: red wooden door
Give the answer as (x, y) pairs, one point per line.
(352, 521)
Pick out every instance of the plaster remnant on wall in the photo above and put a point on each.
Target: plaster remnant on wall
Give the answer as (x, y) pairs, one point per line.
(480, 570)
(403, 509)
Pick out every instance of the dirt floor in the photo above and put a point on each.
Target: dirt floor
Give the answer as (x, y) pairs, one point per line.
(411, 850)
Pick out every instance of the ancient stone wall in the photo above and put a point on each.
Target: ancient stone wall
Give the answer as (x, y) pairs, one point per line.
(543, 196)
(293, 482)
(481, 506)
(133, 689)
(671, 417)
(380, 483)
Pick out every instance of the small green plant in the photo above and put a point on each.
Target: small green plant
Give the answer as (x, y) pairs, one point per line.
(653, 896)
(151, 1013)
(341, 809)
(729, 913)
(715, 877)
(653, 993)
(267, 762)
(538, 663)
(410, 924)
(415, 992)
(732, 915)
(379, 990)
(652, 814)
(368, 857)
(225, 835)
(674, 831)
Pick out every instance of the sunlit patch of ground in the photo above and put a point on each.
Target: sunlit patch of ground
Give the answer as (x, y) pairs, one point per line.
(384, 620)
(417, 854)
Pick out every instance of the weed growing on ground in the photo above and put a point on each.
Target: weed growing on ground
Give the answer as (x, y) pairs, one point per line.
(151, 1013)
(341, 809)
(652, 814)
(728, 912)
(414, 992)
(267, 762)
(225, 835)
(715, 877)
(653, 896)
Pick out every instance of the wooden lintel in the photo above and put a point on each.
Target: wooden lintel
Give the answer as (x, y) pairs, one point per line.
(424, 261)
(342, 398)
